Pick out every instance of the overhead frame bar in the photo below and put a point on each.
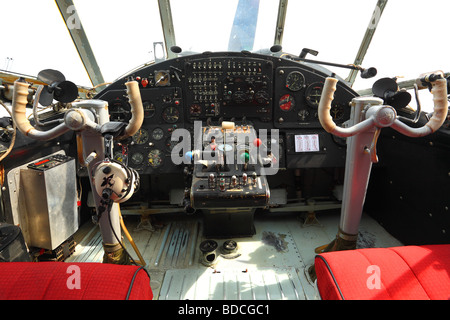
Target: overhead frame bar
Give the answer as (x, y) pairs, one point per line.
(379, 8)
(281, 19)
(80, 40)
(167, 26)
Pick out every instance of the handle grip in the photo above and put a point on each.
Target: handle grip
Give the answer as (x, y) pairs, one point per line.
(327, 97)
(326, 120)
(439, 91)
(19, 103)
(137, 110)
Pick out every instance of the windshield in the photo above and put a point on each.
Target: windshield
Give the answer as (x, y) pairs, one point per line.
(407, 41)
(217, 25)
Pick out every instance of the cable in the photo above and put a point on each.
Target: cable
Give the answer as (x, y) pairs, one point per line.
(110, 203)
(13, 139)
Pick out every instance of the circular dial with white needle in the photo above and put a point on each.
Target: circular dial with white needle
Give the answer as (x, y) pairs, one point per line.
(295, 81)
(162, 78)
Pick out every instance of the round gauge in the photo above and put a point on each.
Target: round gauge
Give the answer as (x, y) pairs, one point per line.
(171, 114)
(137, 158)
(287, 102)
(195, 110)
(303, 114)
(167, 98)
(149, 109)
(155, 158)
(262, 97)
(141, 136)
(313, 94)
(119, 156)
(162, 78)
(119, 110)
(337, 112)
(158, 134)
(239, 96)
(295, 81)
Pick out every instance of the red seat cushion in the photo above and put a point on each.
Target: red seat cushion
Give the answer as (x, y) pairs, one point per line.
(398, 273)
(73, 281)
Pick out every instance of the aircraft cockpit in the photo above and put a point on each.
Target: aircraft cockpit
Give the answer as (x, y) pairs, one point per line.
(272, 129)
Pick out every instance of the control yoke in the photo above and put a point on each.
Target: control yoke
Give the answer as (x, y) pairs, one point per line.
(112, 181)
(368, 117)
(79, 117)
(384, 115)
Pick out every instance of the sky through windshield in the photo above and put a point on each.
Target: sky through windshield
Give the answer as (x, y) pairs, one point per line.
(408, 40)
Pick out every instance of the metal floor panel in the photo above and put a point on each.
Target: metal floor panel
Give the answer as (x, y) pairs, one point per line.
(268, 265)
(231, 284)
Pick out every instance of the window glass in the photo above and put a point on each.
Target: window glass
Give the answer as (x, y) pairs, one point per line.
(36, 38)
(207, 25)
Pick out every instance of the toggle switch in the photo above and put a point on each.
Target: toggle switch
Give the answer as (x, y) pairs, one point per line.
(244, 179)
(212, 181)
(233, 181)
(254, 176)
(222, 184)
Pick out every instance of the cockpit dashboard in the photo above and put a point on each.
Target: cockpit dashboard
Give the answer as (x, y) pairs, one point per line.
(267, 92)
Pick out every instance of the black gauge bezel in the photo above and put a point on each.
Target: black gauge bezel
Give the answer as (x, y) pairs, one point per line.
(298, 86)
(309, 91)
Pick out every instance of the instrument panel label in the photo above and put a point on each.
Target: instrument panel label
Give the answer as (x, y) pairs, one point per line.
(307, 143)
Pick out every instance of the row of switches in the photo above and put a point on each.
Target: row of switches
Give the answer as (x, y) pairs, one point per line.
(233, 182)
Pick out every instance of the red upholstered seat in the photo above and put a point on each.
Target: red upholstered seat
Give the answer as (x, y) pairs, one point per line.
(73, 281)
(398, 273)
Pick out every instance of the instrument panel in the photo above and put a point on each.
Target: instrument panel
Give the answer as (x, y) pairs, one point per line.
(265, 91)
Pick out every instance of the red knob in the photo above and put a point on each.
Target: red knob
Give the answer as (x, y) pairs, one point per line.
(257, 142)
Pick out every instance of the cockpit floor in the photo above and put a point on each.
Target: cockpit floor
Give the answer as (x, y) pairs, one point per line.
(269, 265)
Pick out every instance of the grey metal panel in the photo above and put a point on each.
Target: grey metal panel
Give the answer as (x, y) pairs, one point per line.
(51, 204)
(232, 284)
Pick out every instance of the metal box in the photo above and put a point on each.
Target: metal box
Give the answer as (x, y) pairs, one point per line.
(48, 197)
